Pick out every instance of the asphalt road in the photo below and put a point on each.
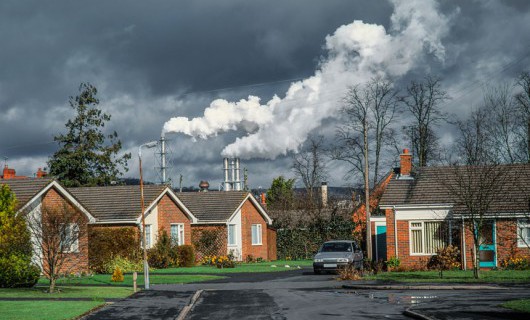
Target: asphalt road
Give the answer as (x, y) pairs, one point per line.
(300, 295)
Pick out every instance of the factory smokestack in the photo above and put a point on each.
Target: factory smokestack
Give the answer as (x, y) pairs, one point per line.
(232, 176)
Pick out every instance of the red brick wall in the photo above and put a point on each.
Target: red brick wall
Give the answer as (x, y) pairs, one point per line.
(75, 262)
(250, 216)
(168, 213)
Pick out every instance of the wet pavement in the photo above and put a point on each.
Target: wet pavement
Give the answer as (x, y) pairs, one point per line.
(145, 305)
(299, 294)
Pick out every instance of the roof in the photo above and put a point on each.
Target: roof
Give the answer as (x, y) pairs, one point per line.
(25, 189)
(116, 202)
(432, 186)
(213, 206)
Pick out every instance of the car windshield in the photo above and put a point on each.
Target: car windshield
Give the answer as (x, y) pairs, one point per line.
(336, 247)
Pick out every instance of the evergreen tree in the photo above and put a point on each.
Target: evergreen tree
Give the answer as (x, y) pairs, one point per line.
(16, 269)
(87, 156)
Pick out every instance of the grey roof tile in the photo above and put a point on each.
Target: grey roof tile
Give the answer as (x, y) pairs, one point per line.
(25, 189)
(212, 205)
(116, 202)
(430, 185)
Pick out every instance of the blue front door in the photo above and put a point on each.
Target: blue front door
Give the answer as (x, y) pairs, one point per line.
(380, 239)
(487, 256)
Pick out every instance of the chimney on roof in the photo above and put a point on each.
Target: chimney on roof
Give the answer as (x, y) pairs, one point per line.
(405, 163)
(324, 194)
(263, 199)
(8, 173)
(204, 185)
(41, 173)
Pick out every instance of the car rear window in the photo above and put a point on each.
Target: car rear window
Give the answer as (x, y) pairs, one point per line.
(336, 247)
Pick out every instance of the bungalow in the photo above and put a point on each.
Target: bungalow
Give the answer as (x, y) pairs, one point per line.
(34, 194)
(243, 223)
(237, 215)
(119, 206)
(424, 213)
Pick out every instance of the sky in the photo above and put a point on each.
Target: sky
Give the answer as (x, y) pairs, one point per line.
(245, 78)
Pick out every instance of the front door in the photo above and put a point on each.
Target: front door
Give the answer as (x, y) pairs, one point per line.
(380, 242)
(487, 254)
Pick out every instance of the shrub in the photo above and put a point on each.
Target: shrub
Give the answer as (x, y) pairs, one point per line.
(124, 264)
(164, 254)
(392, 263)
(15, 271)
(107, 243)
(515, 262)
(186, 256)
(117, 275)
(446, 258)
(349, 273)
(16, 268)
(249, 259)
(224, 262)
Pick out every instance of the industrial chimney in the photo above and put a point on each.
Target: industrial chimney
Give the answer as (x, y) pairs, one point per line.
(232, 176)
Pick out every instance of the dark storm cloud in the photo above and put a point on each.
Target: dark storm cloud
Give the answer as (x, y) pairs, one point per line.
(145, 56)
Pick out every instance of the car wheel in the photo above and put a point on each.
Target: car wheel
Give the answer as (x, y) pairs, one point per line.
(315, 271)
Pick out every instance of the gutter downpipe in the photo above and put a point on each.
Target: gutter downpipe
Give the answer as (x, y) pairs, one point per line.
(464, 244)
(395, 232)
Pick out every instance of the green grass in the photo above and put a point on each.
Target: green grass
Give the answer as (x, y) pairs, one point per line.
(243, 267)
(68, 292)
(518, 305)
(104, 279)
(48, 310)
(495, 276)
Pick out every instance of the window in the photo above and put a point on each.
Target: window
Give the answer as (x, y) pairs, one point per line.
(256, 234)
(427, 237)
(523, 233)
(148, 236)
(177, 233)
(231, 234)
(70, 238)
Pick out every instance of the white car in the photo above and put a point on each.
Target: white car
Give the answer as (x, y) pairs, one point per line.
(338, 254)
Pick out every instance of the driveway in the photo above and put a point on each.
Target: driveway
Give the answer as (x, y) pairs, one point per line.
(298, 294)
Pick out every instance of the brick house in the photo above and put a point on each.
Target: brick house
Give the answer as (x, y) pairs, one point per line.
(244, 224)
(422, 214)
(34, 194)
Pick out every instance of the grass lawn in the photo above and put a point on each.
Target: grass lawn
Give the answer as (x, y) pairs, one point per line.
(243, 267)
(511, 276)
(49, 310)
(68, 292)
(104, 279)
(518, 305)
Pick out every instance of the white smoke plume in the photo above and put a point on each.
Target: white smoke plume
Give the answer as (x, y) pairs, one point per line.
(356, 53)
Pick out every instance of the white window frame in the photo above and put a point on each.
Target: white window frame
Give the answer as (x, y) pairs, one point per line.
(422, 228)
(148, 235)
(523, 224)
(234, 234)
(259, 233)
(180, 236)
(72, 230)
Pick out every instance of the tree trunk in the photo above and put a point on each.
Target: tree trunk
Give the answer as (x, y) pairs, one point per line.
(476, 262)
(367, 193)
(51, 289)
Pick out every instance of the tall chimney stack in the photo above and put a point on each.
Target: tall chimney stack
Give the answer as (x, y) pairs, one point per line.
(324, 194)
(405, 163)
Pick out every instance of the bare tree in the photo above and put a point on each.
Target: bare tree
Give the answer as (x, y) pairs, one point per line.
(475, 190)
(423, 101)
(473, 142)
(369, 112)
(56, 231)
(523, 101)
(309, 166)
(505, 125)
